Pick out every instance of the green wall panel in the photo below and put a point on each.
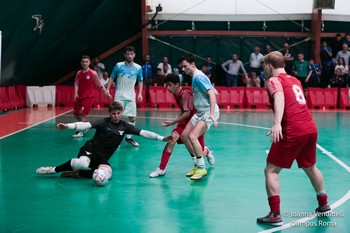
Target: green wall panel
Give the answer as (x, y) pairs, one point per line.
(71, 29)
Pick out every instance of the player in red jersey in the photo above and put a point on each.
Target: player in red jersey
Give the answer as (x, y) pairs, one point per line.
(184, 100)
(294, 137)
(85, 81)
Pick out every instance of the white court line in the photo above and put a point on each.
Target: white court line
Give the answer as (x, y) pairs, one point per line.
(329, 154)
(33, 125)
(302, 220)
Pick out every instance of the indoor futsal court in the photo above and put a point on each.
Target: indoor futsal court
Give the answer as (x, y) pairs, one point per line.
(228, 199)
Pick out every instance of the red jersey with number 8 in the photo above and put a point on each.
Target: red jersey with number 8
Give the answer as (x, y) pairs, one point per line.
(296, 120)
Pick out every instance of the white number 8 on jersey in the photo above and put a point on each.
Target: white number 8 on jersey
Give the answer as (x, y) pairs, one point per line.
(299, 95)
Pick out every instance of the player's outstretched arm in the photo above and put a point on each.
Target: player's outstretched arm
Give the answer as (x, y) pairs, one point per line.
(154, 136)
(79, 126)
(183, 116)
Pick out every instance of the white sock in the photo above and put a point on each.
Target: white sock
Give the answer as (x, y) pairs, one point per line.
(321, 193)
(200, 162)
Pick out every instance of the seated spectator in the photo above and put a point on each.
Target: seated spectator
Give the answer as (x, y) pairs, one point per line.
(204, 69)
(164, 66)
(342, 66)
(210, 66)
(210, 76)
(253, 80)
(337, 80)
(98, 67)
(160, 78)
(313, 78)
(105, 78)
(177, 72)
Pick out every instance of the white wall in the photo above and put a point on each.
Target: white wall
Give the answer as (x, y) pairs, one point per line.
(231, 10)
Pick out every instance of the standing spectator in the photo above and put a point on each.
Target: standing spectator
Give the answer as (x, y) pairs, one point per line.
(256, 59)
(85, 81)
(293, 136)
(253, 80)
(337, 79)
(344, 53)
(147, 70)
(336, 44)
(301, 69)
(288, 58)
(98, 67)
(147, 73)
(232, 68)
(268, 49)
(347, 40)
(326, 55)
(125, 74)
(165, 67)
(313, 79)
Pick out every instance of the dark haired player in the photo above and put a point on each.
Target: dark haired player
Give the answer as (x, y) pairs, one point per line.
(204, 100)
(85, 81)
(125, 74)
(184, 100)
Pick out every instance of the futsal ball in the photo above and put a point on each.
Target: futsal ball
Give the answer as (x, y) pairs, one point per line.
(100, 177)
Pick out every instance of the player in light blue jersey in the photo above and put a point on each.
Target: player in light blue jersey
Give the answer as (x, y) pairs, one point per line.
(204, 97)
(125, 74)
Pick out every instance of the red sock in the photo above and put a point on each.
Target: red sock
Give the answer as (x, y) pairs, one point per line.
(274, 203)
(164, 160)
(322, 199)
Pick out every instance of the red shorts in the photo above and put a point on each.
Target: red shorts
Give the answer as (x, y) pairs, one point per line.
(180, 128)
(83, 106)
(302, 149)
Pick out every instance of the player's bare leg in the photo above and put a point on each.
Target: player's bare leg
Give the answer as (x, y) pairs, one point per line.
(191, 135)
(273, 193)
(317, 182)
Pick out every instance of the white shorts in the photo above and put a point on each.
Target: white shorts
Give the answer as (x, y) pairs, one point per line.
(129, 107)
(204, 116)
